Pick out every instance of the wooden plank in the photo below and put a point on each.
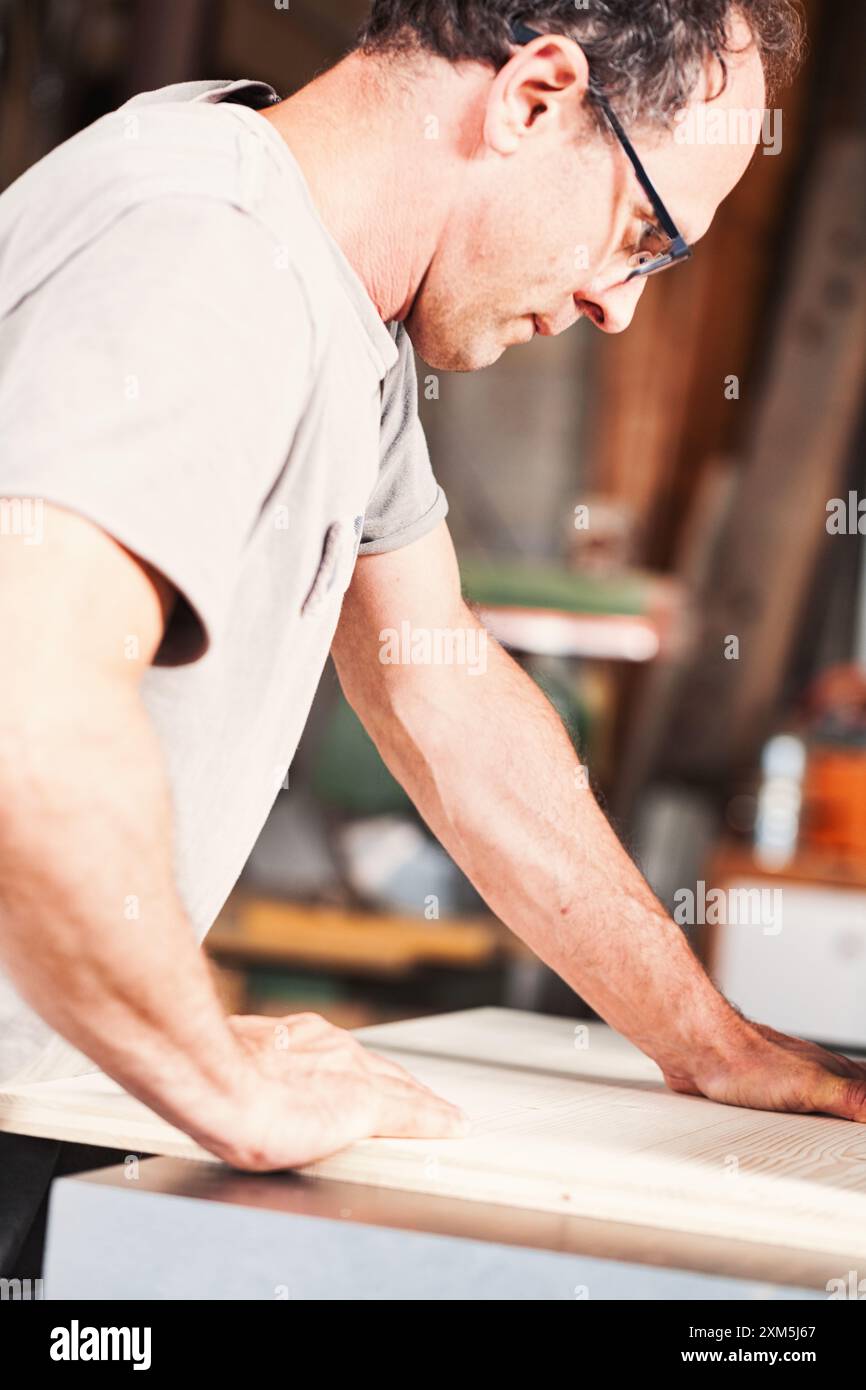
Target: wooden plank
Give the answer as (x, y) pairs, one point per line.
(795, 456)
(260, 929)
(566, 1118)
(658, 408)
(768, 550)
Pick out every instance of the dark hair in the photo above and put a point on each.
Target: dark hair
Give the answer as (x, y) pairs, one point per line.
(646, 55)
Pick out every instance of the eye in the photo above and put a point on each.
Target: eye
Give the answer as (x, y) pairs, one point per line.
(650, 244)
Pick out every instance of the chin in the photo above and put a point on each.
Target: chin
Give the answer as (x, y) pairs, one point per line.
(445, 353)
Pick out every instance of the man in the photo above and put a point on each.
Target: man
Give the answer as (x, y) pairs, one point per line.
(216, 430)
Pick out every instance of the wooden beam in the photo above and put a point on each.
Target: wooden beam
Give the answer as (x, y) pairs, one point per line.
(797, 460)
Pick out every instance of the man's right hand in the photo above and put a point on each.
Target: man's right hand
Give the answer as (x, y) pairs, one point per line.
(85, 821)
(314, 1089)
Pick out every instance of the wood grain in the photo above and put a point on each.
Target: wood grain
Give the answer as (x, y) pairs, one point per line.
(566, 1118)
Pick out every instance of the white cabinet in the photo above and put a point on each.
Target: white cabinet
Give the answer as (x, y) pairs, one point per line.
(809, 976)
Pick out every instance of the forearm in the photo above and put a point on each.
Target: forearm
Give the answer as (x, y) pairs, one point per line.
(487, 761)
(91, 929)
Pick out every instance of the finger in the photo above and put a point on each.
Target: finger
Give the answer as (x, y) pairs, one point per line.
(834, 1061)
(344, 1050)
(838, 1063)
(349, 1058)
(245, 1023)
(842, 1096)
(403, 1112)
(299, 1027)
(850, 1066)
(307, 1025)
(386, 1067)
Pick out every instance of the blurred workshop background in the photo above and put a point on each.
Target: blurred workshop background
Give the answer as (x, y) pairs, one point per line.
(666, 528)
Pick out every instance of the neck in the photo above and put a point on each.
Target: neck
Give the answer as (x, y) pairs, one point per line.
(381, 182)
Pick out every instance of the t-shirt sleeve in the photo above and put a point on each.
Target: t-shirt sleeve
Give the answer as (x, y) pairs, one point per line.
(407, 501)
(142, 387)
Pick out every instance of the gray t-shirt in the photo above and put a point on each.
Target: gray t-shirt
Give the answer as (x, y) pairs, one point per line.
(188, 359)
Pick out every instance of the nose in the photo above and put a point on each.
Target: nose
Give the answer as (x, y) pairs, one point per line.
(612, 310)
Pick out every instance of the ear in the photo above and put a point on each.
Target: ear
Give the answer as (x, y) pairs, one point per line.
(542, 85)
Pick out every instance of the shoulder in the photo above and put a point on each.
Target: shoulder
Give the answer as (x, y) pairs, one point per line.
(178, 183)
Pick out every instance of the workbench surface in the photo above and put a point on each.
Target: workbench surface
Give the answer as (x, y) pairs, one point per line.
(569, 1121)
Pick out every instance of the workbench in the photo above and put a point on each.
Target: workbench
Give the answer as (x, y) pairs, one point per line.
(187, 1230)
(582, 1176)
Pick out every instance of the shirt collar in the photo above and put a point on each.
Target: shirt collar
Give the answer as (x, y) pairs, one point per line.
(257, 95)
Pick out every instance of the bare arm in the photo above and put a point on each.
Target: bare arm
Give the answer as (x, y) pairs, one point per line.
(91, 928)
(489, 765)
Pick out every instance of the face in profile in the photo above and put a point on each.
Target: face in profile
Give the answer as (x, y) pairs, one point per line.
(551, 214)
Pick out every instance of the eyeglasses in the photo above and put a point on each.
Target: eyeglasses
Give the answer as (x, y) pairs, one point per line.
(676, 248)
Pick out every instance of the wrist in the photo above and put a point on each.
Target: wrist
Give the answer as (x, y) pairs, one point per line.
(219, 1113)
(703, 1037)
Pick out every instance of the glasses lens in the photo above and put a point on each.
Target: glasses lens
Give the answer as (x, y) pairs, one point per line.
(644, 263)
(653, 265)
